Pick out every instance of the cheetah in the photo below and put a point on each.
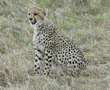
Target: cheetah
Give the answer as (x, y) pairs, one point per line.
(53, 49)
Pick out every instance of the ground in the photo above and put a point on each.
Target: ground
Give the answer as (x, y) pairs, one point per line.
(87, 24)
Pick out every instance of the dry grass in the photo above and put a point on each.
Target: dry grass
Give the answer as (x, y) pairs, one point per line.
(87, 24)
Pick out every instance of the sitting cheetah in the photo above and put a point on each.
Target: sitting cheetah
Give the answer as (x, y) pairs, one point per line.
(53, 50)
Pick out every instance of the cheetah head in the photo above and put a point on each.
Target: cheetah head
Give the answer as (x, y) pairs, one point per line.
(36, 16)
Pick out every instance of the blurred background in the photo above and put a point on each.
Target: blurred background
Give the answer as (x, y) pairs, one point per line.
(86, 22)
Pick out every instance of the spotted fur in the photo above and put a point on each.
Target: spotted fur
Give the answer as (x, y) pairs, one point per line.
(53, 50)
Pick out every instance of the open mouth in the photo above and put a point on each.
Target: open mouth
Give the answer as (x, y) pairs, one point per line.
(33, 22)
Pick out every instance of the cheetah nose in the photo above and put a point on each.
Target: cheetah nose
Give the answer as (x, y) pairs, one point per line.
(30, 18)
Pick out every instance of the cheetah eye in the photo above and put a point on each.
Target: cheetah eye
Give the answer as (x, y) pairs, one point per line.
(29, 13)
(35, 13)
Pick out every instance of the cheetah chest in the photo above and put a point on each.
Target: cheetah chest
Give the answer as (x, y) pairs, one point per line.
(38, 40)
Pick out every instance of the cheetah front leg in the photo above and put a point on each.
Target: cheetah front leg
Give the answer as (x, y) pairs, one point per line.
(48, 58)
(38, 61)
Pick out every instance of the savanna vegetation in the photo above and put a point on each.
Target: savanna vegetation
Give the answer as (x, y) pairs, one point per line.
(86, 22)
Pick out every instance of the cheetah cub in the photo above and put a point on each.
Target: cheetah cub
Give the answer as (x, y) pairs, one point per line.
(53, 50)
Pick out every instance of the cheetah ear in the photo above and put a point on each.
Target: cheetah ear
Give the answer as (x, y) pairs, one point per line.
(45, 11)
